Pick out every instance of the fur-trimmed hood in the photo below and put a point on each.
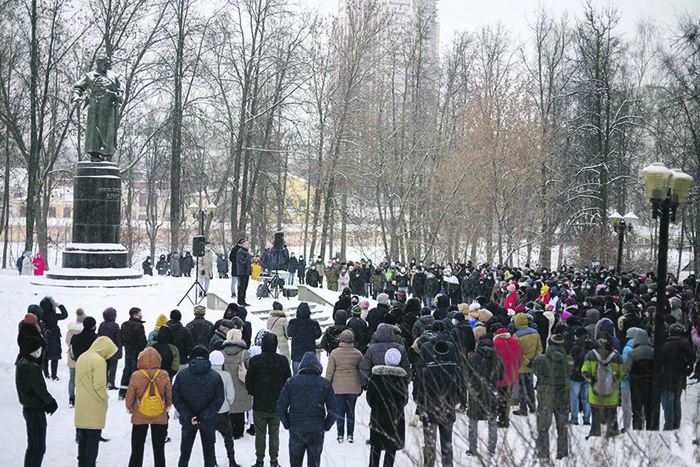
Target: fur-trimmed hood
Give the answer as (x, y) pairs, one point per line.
(385, 370)
(278, 313)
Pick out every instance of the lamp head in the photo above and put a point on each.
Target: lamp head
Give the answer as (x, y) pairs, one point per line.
(615, 219)
(193, 209)
(680, 186)
(211, 207)
(656, 181)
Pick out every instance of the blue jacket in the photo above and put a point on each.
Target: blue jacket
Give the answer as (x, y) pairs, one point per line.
(307, 402)
(243, 261)
(303, 331)
(198, 391)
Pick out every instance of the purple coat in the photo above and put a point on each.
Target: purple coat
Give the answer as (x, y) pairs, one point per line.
(110, 328)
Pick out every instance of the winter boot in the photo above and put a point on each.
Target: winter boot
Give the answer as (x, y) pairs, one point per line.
(251, 430)
(71, 402)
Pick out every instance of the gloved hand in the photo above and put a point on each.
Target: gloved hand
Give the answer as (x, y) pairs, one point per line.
(52, 407)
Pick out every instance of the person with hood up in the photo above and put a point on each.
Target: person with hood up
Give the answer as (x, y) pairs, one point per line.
(35, 399)
(442, 303)
(198, 394)
(602, 369)
(359, 329)
(606, 326)
(247, 329)
(277, 324)
(511, 300)
(39, 265)
(331, 337)
(266, 376)
(149, 375)
(375, 316)
(578, 386)
(223, 420)
(423, 323)
(306, 408)
(110, 328)
(553, 370)
(133, 338)
(677, 362)
(531, 346)
(387, 395)
(303, 331)
(182, 337)
(592, 318)
(200, 327)
(81, 343)
(343, 371)
(91, 398)
(438, 391)
(50, 317)
(542, 325)
(170, 356)
(237, 363)
(384, 340)
(625, 393)
(73, 330)
(638, 368)
(508, 348)
(27, 264)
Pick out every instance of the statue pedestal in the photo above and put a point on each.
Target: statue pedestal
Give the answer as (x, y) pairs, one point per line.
(95, 253)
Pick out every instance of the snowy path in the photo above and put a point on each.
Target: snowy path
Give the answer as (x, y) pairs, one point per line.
(16, 293)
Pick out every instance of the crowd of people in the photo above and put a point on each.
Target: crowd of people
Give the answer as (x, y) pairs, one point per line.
(568, 346)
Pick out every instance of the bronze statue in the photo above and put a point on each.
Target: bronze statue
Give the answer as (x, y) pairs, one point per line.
(102, 92)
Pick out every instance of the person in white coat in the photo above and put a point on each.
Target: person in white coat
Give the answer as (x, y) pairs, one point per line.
(206, 268)
(223, 424)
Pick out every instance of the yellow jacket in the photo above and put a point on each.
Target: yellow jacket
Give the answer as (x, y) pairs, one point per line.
(91, 385)
(256, 270)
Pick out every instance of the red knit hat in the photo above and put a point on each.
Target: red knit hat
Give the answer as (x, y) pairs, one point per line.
(30, 318)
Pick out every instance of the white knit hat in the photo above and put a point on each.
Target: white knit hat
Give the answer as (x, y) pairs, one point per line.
(392, 357)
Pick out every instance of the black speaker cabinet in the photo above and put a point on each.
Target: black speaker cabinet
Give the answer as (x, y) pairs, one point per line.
(199, 243)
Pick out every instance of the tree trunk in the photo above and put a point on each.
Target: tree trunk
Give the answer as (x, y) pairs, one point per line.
(33, 159)
(176, 146)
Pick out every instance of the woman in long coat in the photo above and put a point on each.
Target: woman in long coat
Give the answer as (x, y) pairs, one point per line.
(277, 324)
(235, 354)
(53, 334)
(387, 395)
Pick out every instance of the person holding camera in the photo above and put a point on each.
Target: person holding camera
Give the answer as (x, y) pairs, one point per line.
(206, 269)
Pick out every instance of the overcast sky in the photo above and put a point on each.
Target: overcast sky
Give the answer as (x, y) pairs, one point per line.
(458, 15)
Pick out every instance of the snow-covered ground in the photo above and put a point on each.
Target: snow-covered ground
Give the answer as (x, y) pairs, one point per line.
(16, 293)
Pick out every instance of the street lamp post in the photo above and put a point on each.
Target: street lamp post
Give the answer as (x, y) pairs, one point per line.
(666, 189)
(621, 224)
(200, 214)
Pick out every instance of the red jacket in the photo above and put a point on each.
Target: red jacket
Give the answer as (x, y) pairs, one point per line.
(508, 348)
(39, 266)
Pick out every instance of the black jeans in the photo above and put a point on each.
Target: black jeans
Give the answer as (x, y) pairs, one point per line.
(130, 360)
(138, 440)
(237, 424)
(54, 368)
(36, 437)
(375, 455)
(88, 447)
(189, 433)
(242, 288)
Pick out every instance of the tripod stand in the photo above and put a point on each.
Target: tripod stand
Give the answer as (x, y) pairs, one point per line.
(199, 289)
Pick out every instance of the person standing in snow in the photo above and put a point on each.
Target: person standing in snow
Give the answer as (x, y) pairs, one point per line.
(223, 422)
(243, 268)
(303, 331)
(267, 374)
(53, 334)
(91, 398)
(35, 399)
(73, 330)
(149, 364)
(306, 407)
(133, 336)
(110, 328)
(553, 370)
(200, 328)
(343, 371)
(198, 394)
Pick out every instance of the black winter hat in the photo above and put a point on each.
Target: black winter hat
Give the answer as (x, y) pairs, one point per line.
(89, 323)
(199, 352)
(441, 350)
(175, 315)
(459, 317)
(277, 306)
(30, 344)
